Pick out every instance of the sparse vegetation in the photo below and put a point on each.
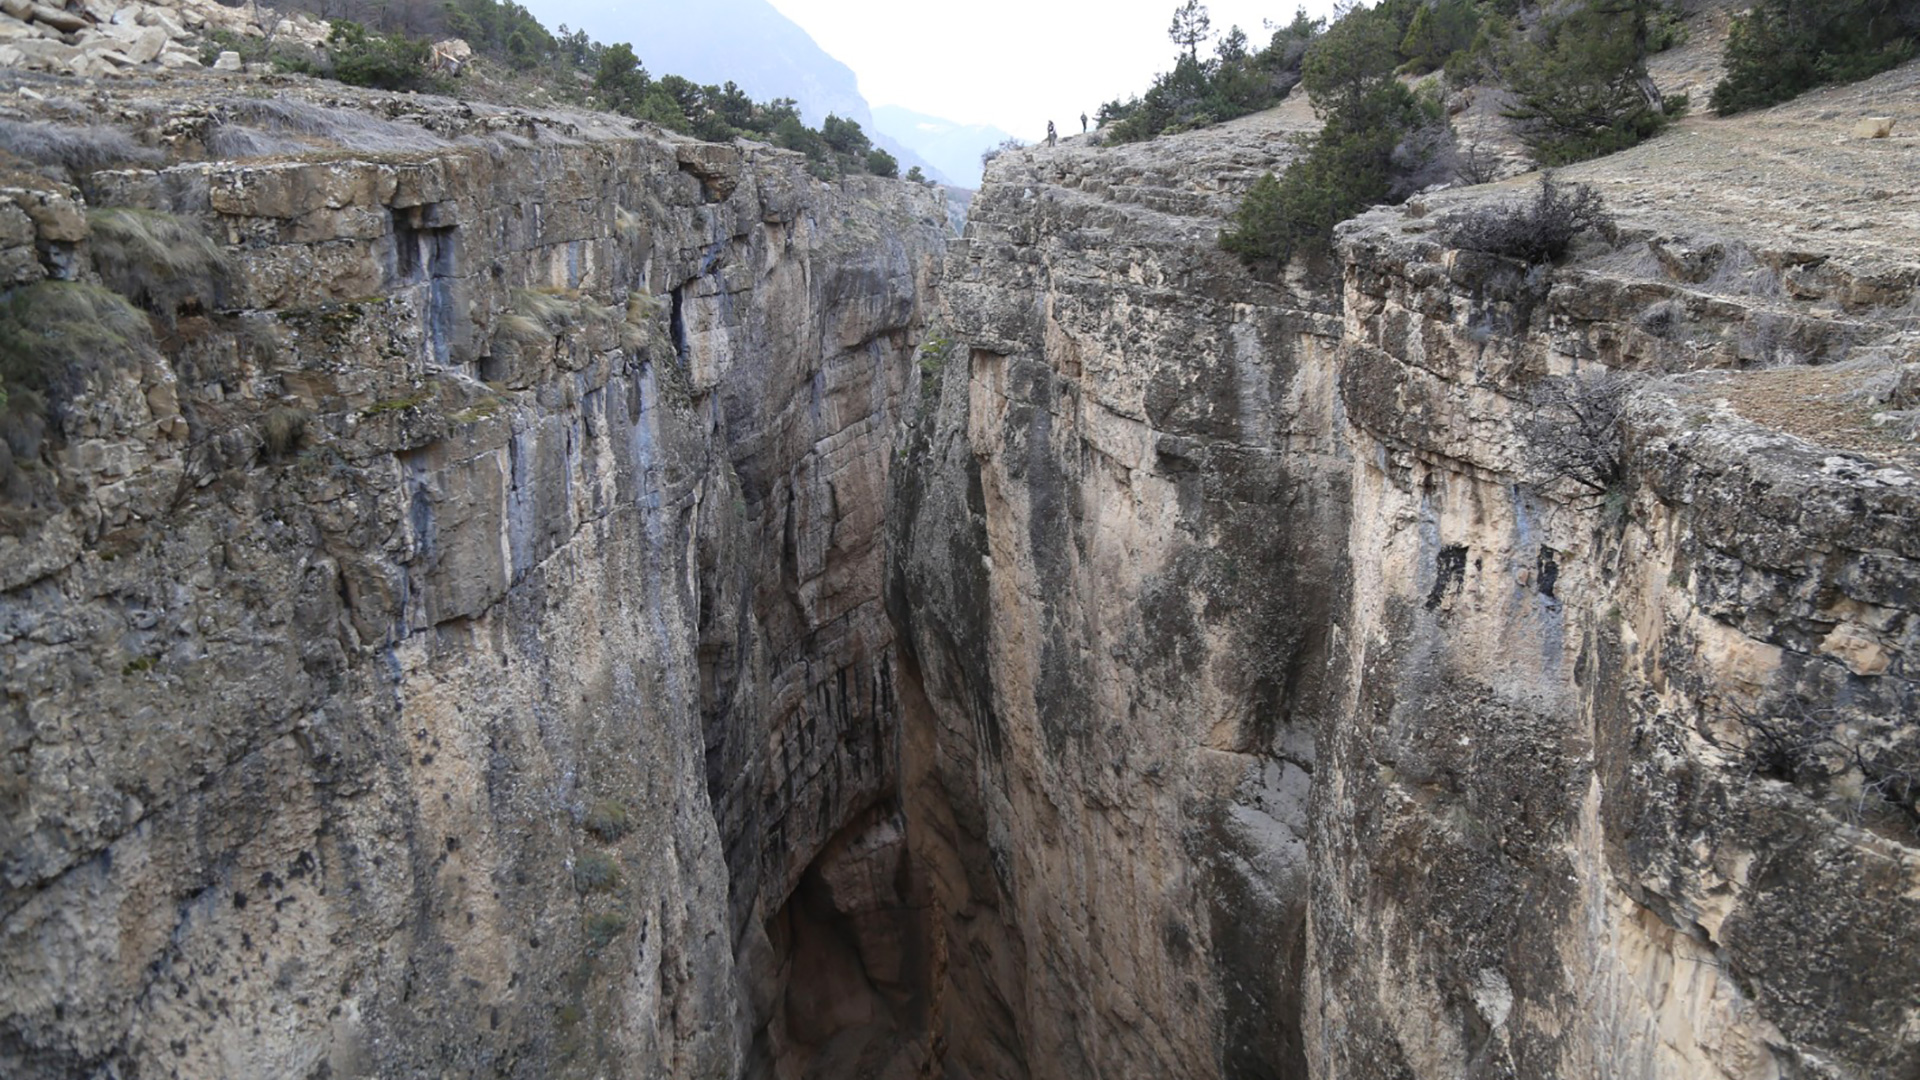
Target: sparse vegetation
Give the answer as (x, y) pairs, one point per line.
(1570, 428)
(55, 338)
(162, 262)
(607, 820)
(1379, 143)
(78, 149)
(1005, 146)
(258, 127)
(386, 406)
(595, 871)
(1539, 231)
(601, 928)
(1780, 49)
(1808, 746)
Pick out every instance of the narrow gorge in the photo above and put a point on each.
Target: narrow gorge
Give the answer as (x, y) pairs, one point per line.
(578, 601)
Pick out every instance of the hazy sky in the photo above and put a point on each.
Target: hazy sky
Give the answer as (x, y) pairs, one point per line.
(1012, 63)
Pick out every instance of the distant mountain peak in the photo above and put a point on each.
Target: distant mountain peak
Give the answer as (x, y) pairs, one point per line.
(953, 147)
(747, 42)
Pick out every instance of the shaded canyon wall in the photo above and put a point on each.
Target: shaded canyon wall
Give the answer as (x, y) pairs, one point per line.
(490, 722)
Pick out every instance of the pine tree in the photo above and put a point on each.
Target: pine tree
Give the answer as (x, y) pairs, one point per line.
(1190, 27)
(1582, 87)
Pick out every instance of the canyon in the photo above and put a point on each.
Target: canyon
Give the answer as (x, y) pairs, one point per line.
(579, 601)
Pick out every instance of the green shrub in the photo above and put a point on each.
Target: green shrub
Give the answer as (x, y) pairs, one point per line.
(602, 928)
(881, 163)
(157, 260)
(595, 871)
(606, 819)
(1437, 32)
(502, 29)
(1379, 142)
(845, 136)
(1783, 48)
(363, 57)
(1581, 87)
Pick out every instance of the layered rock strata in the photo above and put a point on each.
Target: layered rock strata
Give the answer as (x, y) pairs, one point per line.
(451, 649)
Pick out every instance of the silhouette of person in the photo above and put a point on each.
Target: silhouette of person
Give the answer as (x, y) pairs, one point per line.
(1083, 123)
(1050, 133)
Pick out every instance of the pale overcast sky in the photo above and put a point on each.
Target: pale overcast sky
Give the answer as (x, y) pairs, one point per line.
(1013, 63)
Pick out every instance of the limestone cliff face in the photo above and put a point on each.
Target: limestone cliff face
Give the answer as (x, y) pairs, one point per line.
(488, 723)
(1621, 784)
(1270, 713)
(1120, 553)
(566, 606)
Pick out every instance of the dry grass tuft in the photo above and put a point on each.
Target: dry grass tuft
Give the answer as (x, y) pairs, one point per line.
(55, 338)
(284, 431)
(159, 261)
(78, 148)
(259, 127)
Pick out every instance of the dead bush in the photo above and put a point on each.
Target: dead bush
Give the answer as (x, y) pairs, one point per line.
(1539, 231)
(265, 124)
(283, 431)
(1571, 430)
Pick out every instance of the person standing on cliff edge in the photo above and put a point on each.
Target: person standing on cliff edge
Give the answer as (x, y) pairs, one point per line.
(1083, 123)
(1050, 133)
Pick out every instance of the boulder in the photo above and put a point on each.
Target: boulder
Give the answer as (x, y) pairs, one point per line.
(1873, 127)
(228, 61)
(166, 19)
(56, 218)
(64, 21)
(145, 43)
(19, 9)
(43, 54)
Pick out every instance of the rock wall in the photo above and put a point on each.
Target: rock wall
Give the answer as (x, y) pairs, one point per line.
(552, 601)
(1271, 712)
(451, 650)
(1118, 554)
(1622, 780)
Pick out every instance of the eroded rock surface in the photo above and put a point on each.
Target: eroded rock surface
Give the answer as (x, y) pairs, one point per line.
(486, 722)
(1120, 554)
(561, 605)
(1203, 579)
